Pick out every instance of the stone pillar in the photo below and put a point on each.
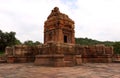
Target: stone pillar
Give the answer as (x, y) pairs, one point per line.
(73, 35)
(78, 59)
(60, 36)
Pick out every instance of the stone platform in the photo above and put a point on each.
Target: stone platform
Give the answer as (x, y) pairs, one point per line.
(59, 54)
(64, 54)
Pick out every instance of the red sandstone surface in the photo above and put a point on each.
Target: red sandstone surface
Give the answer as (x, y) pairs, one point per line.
(88, 70)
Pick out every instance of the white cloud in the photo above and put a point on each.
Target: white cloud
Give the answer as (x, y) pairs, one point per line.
(97, 19)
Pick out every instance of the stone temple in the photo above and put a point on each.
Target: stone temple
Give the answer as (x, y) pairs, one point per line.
(59, 28)
(59, 48)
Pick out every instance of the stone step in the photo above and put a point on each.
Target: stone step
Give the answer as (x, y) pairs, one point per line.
(69, 63)
(3, 61)
(116, 61)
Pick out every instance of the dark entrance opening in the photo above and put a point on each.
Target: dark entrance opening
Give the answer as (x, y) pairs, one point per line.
(65, 39)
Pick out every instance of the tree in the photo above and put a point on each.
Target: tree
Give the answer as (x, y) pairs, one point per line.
(31, 43)
(37, 43)
(8, 39)
(86, 41)
(116, 46)
(17, 42)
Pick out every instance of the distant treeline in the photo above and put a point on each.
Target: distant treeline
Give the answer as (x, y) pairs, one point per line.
(88, 41)
(9, 39)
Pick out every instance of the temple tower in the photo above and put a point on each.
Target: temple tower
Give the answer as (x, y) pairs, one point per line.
(58, 28)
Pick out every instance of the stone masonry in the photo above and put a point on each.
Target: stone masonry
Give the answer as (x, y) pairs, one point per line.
(21, 53)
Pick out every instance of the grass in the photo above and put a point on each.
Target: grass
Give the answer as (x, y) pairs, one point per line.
(1, 53)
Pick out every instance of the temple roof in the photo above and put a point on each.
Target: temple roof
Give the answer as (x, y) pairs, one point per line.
(56, 14)
(56, 19)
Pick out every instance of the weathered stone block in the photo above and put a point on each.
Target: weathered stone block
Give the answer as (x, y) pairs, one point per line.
(43, 60)
(49, 60)
(22, 60)
(109, 50)
(11, 59)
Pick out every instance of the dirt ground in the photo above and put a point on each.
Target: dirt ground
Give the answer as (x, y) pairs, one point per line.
(88, 70)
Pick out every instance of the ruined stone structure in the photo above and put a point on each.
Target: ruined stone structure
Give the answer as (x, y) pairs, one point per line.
(59, 54)
(22, 53)
(59, 48)
(59, 28)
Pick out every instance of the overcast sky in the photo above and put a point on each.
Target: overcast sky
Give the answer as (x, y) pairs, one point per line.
(96, 19)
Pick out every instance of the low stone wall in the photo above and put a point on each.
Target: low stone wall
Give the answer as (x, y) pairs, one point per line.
(22, 53)
(22, 59)
(97, 54)
(97, 59)
(67, 54)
